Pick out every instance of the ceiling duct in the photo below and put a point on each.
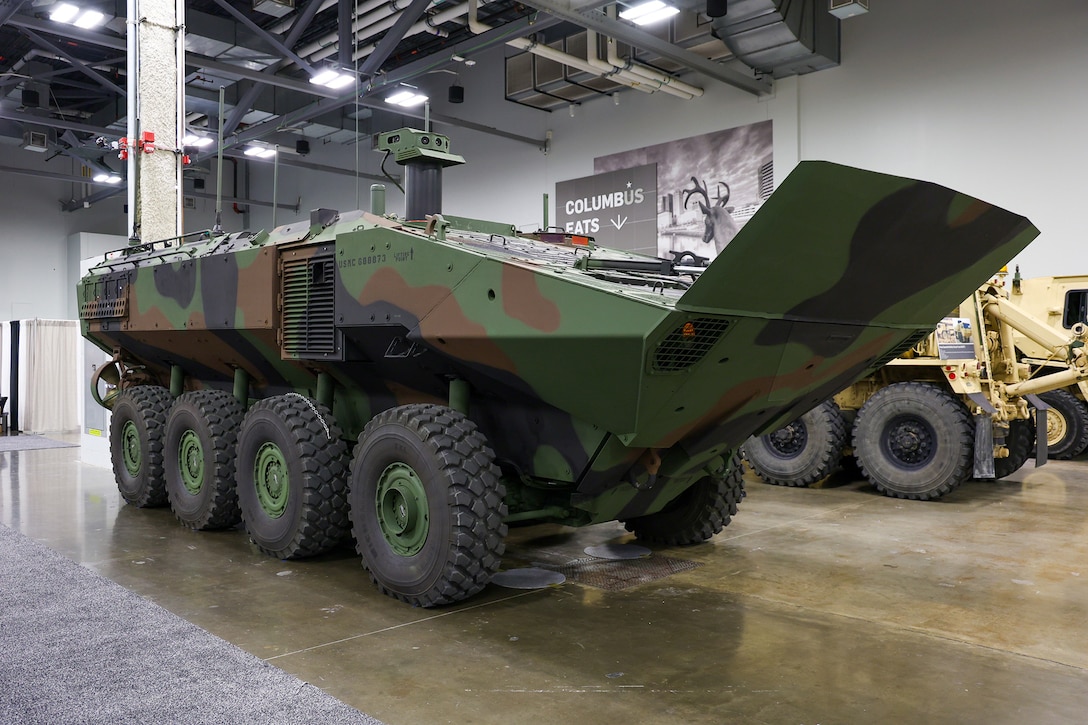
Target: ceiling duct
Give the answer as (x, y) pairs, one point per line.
(781, 37)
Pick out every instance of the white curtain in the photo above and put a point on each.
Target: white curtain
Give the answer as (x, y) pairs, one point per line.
(50, 403)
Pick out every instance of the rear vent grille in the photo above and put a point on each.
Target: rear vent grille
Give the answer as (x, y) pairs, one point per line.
(309, 305)
(688, 344)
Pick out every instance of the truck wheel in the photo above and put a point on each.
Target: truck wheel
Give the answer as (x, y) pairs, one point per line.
(1066, 425)
(1020, 442)
(695, 515)
(914, 440)
(201, 435)
(136, 433)
(291, 473)
(806, 451)
(427, 505)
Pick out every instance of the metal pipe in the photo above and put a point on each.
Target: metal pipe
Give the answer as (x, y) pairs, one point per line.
(177, 380)
(218, 228)
(241, 386)
(132, 73)
(377, 199)
(459, 395)
(325, 389)
(1045, 383)
(275, 183)
(545, 227)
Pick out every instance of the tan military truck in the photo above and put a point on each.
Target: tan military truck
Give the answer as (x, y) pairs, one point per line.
(963, 401)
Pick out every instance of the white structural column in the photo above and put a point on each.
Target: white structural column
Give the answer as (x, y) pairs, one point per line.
(156, 105)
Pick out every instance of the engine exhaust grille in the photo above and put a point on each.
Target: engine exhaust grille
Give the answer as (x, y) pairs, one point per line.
(309, 303)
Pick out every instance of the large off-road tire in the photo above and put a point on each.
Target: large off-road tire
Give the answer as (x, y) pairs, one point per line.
(914, 440)
(292, 473)
(201, 436)
(427, 505)
(1066, 424)
(1021, 444)
(136, 434)
(698, 513)
(799, 454)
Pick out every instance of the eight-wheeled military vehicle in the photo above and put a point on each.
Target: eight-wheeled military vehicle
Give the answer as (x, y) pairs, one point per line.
(488, 378)
(965, 401)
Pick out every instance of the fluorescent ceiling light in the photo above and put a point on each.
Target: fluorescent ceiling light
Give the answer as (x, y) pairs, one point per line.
(193, 140)
(406, 98)
(261, 152)
(89, 19)
(115, 179)
(649, 12)
(332, 78)
(107, 178)
(101, 177)
(64, 13)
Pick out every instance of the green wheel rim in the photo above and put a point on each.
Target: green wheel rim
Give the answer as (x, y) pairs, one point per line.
(191, 462)
(130, 448)
(401, 502)
(272, 480)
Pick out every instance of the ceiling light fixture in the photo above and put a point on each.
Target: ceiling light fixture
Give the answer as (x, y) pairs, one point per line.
(107, 178)
(72, 15)
(406, 98)
(199, 141)
(260, 152)
(649, 12)
(333, 78)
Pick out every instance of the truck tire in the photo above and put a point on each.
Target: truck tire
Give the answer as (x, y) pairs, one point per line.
(292, 472)
(914, 440)
(1066, 425)
(201, 436)
(697, 514)
(427, 505)
(799, 454)
(1021, 444)
(136, 433)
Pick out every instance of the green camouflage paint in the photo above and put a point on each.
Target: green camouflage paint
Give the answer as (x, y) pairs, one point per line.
(605, 382)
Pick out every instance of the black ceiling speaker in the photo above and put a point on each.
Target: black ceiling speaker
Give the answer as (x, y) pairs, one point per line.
(457, 93)
(30, 98)
(302, 147)
(716, 8)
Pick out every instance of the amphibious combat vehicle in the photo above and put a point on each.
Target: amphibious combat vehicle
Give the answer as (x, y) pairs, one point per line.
(420, 385)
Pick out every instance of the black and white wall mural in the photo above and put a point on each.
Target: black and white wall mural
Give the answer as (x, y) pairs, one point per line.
(707, 187)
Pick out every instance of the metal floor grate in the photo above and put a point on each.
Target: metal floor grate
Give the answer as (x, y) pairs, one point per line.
(616, 575)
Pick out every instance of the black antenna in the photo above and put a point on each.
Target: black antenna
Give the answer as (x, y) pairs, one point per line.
(218, 228)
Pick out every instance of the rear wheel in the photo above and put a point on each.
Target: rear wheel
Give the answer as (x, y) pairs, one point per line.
(427, 505)
(1066, 424)
(136, 439)
(914, 440)
(698, 513)
(1020, 441)
(201, 435)
(292, 471)
(806, 451)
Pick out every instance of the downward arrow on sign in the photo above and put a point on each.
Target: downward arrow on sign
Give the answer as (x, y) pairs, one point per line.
(617, 222)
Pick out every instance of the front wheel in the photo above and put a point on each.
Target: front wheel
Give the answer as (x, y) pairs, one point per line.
(914, 440)
(697, 514)
(799, 454)
(427, 505)
(291, 473)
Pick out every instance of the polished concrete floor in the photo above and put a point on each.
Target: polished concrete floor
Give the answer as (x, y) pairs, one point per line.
(829, 605)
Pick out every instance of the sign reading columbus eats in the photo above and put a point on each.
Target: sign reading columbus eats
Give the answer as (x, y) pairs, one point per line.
(618, 208)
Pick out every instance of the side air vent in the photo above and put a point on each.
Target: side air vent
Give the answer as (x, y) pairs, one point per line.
(907, 345)
(687, 344)
(308, 299)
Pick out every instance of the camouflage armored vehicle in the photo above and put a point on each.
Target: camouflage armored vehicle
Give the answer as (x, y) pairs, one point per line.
(422, 384)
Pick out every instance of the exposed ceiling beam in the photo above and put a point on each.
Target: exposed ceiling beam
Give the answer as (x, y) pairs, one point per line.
(76, 62)
(595, 19)
(9, 9)
(56, 123)
(388, 44)
(276, 43)
(54, 175)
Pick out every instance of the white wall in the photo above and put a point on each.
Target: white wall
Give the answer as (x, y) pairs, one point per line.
(986, 96)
